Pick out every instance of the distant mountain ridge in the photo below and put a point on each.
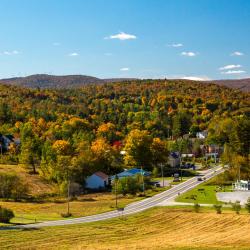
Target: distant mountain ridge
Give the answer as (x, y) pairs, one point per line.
(52, 81)
(75, 81)
(241, 84)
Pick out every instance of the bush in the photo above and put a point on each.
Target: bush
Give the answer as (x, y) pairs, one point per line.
(12, 187)
(197, 207)
(127, 185)
(66, 215)
(6, 215)
(236, 207)
(247, 205)
(218, 208)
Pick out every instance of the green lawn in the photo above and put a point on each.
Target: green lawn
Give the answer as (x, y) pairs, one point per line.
(205, 193)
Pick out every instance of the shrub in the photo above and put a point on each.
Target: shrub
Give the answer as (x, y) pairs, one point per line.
(236, 207)
(197, 207)
(218, 208)
(6, 215)
(66, 215)
(12, 186)
(127, 185)
(247, 205)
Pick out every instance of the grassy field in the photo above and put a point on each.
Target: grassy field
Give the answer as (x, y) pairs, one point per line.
(28, 212)
(205, 193)
(159, 228)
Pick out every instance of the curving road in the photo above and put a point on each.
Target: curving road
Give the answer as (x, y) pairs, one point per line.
(135, 207)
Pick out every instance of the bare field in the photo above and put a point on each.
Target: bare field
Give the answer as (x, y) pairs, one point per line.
(160, 228)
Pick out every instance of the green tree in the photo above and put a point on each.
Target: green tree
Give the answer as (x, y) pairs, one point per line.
(181, 124)
(137, 148)
(30, 152)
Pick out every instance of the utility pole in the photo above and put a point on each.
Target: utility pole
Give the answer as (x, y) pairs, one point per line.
(116, 179)
(68, 194)
(143, 185)
(162, 175)
(68, 177)
(181, 165)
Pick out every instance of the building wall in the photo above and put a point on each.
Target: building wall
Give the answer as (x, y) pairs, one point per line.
(95, 182)
(173, 162)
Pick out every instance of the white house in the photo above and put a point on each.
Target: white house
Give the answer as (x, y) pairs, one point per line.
(241, 185)
(97, 180)
(202, 135)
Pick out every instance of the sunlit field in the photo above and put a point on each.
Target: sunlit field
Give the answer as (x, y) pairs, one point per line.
(159, 228)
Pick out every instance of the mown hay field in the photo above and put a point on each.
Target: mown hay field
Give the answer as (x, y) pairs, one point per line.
(159, 228)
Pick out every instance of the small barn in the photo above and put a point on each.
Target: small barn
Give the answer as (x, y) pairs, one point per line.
(98, 180)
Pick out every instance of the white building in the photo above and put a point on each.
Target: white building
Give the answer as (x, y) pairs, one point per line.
(202, 135)
(241, 185)
(97, 180)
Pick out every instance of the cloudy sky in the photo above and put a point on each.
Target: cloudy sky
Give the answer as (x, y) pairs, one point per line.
(197, 39)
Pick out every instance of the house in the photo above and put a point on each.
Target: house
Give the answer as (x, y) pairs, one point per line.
(241, 185)
(6, 140)
(174, 159)
(98, 180)
(131, 172)
(187, 155)
(202, 134)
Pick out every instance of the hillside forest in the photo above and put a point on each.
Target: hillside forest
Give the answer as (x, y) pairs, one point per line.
(75, 132)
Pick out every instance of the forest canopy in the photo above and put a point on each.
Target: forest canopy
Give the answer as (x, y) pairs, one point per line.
(84, 129)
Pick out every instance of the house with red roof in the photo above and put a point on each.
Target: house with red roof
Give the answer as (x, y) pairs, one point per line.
(98, 180)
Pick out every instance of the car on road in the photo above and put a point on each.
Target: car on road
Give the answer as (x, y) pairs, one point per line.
(199, 179)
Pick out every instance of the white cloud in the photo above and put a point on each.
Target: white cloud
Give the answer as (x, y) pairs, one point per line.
(190, 54)
(124, 69)
(196, 78)
(73, 54)
(230, 66)
(176, 45)
(231, 72)
(121, 36)
(237, 53)
(10, 53)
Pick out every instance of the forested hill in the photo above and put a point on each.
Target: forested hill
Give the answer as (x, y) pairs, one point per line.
(86, 127)
(241, 84)
(150, 104)
(51, 81)
(76, 81)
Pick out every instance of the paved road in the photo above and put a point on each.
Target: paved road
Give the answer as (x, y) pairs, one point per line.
(133, 207)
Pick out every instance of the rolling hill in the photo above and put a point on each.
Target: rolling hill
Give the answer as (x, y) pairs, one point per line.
(241, 84)
(74, 81)
(51, 81)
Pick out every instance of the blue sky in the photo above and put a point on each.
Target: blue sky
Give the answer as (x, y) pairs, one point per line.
(203, 39)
